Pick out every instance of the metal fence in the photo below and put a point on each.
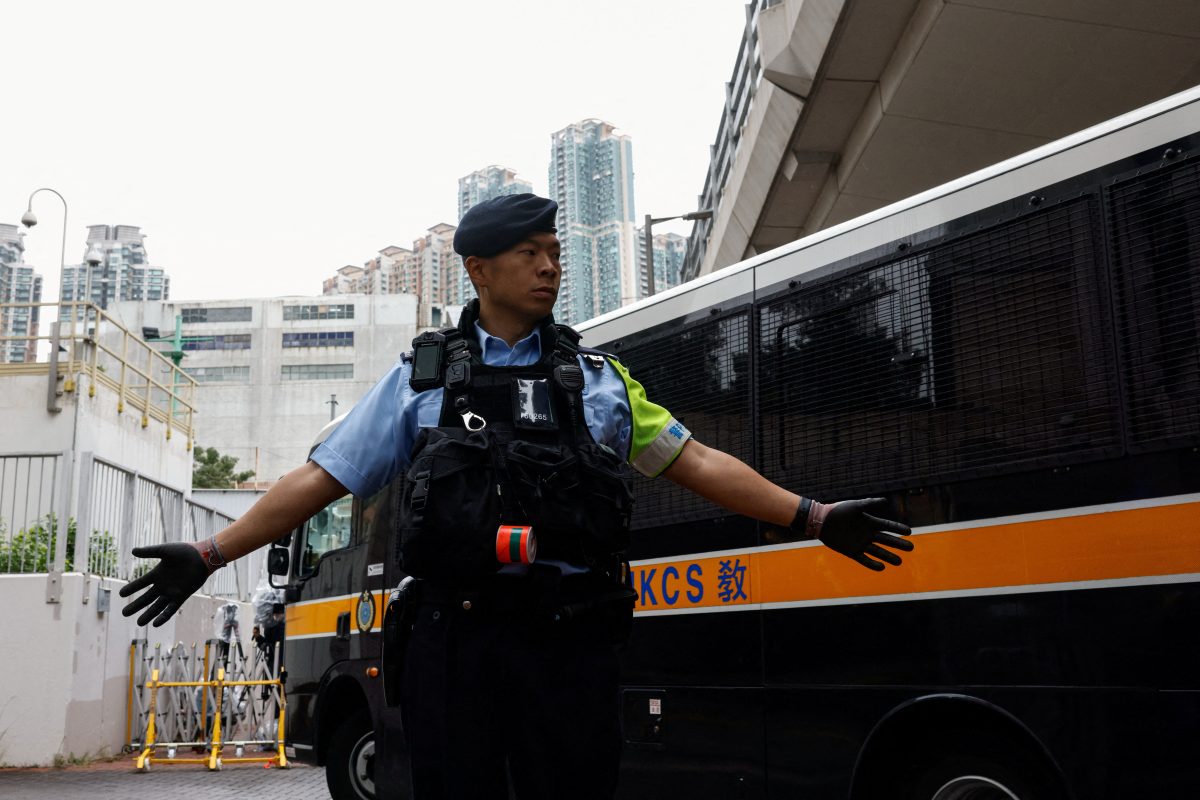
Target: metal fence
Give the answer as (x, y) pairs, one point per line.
(29, 487)
(201, 522)
(118, 508)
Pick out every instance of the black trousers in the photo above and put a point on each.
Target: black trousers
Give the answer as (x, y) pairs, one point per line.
(490, 693)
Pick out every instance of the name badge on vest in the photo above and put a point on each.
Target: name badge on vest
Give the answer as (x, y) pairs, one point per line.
(532, 404)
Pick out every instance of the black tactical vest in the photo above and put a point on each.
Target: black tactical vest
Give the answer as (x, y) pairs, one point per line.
(512, 447)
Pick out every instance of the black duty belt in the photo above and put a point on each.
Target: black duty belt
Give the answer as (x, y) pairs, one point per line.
(532, 596)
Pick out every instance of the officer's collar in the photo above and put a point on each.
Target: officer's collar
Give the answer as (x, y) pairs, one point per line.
(473, 333)
(487, 341)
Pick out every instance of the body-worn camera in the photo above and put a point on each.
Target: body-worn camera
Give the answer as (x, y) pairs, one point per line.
(433, 353)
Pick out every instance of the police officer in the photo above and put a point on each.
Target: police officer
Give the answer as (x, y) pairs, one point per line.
(509, 672)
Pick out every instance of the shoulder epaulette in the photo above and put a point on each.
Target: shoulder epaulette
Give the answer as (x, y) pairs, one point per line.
(594, 357)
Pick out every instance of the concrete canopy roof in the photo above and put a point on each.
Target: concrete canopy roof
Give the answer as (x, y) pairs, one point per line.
(865, 102)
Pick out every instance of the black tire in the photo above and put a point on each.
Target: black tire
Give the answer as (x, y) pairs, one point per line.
(971, 777)
(350, 769)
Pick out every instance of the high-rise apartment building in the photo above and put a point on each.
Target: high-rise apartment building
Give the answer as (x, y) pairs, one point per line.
(389, 272)
(18, 284)
(591, 179)
(124, 271)
(439, 270)
(431, 270)
(480, 185)
(486, 183)
(670, 249)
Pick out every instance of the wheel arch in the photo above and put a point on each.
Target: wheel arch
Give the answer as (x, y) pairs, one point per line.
(341, 696)
(942, 716)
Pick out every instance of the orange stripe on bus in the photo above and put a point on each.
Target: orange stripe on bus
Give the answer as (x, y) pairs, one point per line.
(1161, 540)
(1133, 543)
(321, 617)
(314, 618)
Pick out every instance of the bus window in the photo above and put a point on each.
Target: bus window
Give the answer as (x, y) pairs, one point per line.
(329, 529)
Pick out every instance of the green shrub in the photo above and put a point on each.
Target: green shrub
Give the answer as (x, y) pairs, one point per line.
(29, 549)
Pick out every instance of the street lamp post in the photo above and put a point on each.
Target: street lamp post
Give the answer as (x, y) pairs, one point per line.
(650, 221)
(29, 219)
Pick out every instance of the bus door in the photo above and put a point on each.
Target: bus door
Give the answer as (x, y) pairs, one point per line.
(372, 528)
(317, 599)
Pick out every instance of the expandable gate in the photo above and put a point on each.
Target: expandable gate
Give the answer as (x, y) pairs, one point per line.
(205, 700)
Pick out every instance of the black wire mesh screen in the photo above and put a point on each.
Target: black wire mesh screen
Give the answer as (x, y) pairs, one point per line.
(1155, 228)
(701, 374)
(982, 354)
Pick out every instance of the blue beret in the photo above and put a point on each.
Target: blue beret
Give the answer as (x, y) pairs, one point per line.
(495, 225)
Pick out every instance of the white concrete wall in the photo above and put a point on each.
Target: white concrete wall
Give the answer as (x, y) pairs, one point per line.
(28, 426)
(64, 677)
(118, 437)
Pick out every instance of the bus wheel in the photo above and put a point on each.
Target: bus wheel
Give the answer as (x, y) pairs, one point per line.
(972, 778)
(350, 770)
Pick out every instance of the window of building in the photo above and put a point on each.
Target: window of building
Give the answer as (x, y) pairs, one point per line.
(233, 314)
(319, 339)
(325, 311)
(317, 372)
(223, 374)
(233, 341)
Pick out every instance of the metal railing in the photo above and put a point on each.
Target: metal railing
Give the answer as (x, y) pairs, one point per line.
(120, 509)
(201, 522)
(101, 352)
(29, 489)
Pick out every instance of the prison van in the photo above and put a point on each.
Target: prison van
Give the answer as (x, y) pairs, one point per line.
(1012, 359)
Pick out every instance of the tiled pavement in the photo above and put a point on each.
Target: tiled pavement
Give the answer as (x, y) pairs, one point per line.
(119, 780)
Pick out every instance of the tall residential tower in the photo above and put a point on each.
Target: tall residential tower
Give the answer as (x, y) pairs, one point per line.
(670, 250)
(18, 284)
(591, 179)
(484, 184)
(124, 272)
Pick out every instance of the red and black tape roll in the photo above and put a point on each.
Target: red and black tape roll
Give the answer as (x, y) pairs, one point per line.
(515, 544)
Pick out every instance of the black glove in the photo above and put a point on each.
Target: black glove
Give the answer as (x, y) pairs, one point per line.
(180, 571)
(847, 528)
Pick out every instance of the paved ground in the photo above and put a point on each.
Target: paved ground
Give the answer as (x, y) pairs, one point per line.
(119, 780)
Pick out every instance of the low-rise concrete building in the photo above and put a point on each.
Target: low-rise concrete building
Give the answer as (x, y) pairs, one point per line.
(273, 371)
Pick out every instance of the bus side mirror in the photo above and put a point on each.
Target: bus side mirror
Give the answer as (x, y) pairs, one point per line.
(278, 563)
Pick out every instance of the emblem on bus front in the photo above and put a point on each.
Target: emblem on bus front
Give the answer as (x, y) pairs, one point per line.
(365, 612)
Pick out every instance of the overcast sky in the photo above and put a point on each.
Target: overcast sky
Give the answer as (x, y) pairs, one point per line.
(262, 145)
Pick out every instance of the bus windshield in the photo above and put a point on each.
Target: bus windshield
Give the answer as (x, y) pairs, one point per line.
(327, 530)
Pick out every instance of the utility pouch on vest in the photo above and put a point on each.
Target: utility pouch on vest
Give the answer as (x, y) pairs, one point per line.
(603, 600)
(577, 498)
(450, 506)
(398, 619)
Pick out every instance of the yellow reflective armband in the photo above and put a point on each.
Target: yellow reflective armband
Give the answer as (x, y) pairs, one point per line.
(657, 438)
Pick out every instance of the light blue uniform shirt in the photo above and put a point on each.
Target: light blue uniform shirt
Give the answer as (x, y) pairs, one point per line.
(375, 440)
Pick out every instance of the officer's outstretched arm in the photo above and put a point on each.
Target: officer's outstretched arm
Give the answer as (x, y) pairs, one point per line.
(845, 527)
(184, 566)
